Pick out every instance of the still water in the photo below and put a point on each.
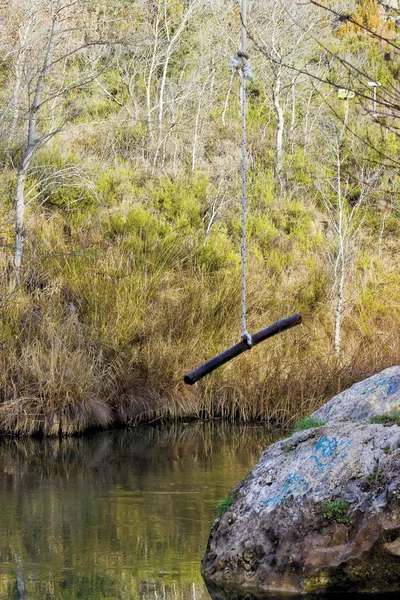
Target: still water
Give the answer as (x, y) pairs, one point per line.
(117, 515)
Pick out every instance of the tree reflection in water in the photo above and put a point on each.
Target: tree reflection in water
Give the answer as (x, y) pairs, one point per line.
(122, 514)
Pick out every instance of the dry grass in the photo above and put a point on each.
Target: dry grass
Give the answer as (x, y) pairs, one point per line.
(103, 336)
(61, 377)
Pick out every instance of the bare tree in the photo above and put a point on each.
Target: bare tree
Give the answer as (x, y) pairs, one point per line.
(284, 39)
(345, 185)
(42, 36)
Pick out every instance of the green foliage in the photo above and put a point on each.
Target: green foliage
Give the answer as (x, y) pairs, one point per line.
(387, 419)
(60, 182)
(299, 224)
(71, 198)
(98, 108)
(375, 476)
(218, 252)
(262, 232)
(278, 260)
(180, 200)
(373, 303)
(128, 136)
(336, 511)
(116, 185)
(262, 188)
(140, 229)
(225, 504)
(308, 423)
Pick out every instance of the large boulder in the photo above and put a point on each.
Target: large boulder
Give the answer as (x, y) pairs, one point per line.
(320, 511)
(377, 395)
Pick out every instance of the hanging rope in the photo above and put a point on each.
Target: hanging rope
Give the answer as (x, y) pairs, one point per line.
(241, 63)
(245, 334)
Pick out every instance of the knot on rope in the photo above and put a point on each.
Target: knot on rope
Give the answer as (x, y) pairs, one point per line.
(246, 337)
(241, 62)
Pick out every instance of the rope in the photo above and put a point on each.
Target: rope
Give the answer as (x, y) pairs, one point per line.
(241, 63)
(245, 334)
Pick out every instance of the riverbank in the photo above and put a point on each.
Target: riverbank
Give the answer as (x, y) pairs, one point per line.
(114, 307)
(61, 375)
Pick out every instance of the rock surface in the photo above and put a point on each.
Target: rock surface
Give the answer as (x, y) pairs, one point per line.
(377, 395)
(320, 512)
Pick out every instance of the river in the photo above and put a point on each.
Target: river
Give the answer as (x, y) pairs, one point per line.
(117, 515)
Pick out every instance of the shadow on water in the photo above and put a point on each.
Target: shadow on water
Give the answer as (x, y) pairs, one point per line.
(217, 593)
(122, 514)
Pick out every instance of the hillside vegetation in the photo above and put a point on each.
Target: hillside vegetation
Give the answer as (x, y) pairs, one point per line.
(129, 246)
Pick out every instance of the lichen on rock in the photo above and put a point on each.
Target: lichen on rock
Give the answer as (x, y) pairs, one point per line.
(324, 516)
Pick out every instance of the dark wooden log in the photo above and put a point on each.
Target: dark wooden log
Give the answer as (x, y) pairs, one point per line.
(233, 351)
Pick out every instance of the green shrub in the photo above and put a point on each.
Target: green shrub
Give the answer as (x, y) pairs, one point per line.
(224, 504)
(219, 251)
(262, 231)
(262, 188)
(60, 182)
(180, 200)
(336, 511)
(115, 185)
(387, 419)
(97, 107)
(308, 423)
(140, 228)
(71, 196)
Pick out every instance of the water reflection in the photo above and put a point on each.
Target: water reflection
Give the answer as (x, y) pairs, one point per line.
(119, 514)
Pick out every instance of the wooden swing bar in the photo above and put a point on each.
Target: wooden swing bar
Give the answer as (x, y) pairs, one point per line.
(233, 351)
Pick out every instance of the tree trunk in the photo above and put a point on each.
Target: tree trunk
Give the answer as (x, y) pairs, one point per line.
(151, 69)
(293, 115)
(340, 265)
(339, 308)
(280, 129)
(31, 146)
(19, 222)
(162, 89)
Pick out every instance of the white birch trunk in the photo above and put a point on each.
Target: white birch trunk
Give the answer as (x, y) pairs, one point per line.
(280, 128)
(340, 267)
(19, 222)
(293, 115)
(168, 54)
(339, 307)
(151, 69)
(31, 146)
(17, 86)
